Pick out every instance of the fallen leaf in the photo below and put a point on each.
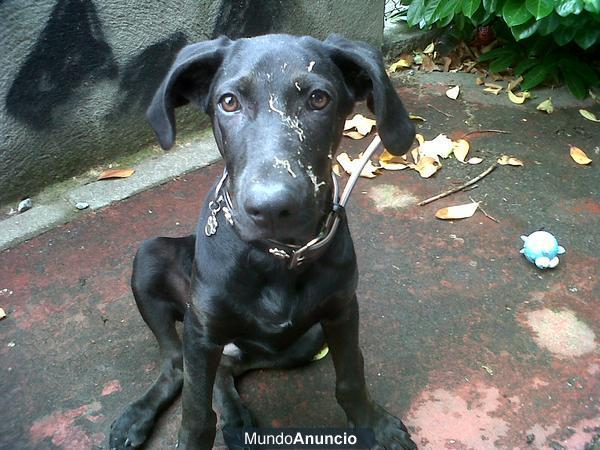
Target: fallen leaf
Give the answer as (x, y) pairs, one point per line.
(460, 149)
(440, 146)
(2, 313)
(116, 173)
(427, 166)
(589, 115)
(402, 63)
(453, 92)
(579, 156)
(353, 134)
(389, 158)
(349, 165)
(506, 160)
(322, 353)
(479, 81)
(428, 65)
(457, 212)
(474, 160)
(363, 124)
(393, 166)
(489, 371)
(415, 155)
(420, 139)
(429, 49)
(493, 90)
(519, 98)
(514, 83)
(336, 170)
(546, 106)
(415, 117)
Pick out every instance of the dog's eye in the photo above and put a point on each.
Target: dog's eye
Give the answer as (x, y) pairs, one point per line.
(318, 100)
(229, 103)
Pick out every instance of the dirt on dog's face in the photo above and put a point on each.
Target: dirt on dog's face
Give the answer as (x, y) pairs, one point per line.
(278, 118)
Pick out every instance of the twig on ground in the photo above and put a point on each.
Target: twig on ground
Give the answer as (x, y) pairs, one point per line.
(440, 111)
(484, 213)
(484, 131)
(459, 188)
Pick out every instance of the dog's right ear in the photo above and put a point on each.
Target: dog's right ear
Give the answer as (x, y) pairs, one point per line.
(188, 81)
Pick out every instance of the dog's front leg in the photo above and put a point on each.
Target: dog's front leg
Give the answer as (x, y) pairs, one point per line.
(351, 391)
(201, 359)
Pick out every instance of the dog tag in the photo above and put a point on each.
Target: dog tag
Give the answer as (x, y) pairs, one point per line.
(211, 226)
(227, 215)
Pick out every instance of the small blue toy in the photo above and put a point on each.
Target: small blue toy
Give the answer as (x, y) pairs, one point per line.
(541, 248)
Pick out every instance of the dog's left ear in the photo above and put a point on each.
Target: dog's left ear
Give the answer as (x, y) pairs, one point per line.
(365, 76)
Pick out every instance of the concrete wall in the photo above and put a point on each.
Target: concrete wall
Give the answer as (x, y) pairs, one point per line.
(77, 75)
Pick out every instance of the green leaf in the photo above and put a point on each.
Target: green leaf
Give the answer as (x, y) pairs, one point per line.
(431, 12)
(515, 12)
(491, 5)
(495, 53)
(537, 75)
(470, 6)
(503, 62)
(525, 65)
(446, 20)
(539, 8)
(548, 24)
(581, 69)
(575, 84)
(564, 35)
(586, 37)
(524, 31)
(592, 6)
(566, 7)
(415, 12)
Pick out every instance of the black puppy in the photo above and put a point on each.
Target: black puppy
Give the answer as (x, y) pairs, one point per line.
(247, 295)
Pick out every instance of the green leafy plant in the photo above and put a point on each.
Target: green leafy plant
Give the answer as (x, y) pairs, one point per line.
(541, 40)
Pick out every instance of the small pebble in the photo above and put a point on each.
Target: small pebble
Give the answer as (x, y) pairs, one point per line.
(24, 205)
(81, 205)
(530, 438)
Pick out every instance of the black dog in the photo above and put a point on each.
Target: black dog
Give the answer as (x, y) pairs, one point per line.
(248, 297)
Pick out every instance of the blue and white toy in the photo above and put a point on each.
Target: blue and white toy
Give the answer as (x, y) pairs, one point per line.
(542, 249)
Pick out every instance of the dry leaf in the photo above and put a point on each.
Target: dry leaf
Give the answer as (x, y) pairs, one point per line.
(506, 160)
(489, 371)
(393, 166)
(350, 165)
(415, 117)
(589, 115)
(479, 81)
(363, 124)
(474, 160)
(415, 155)
(579, 156)
(116, 173)
(322, 353)
(457, 212)
(420, 139)
(518, 98)
(428, 65)
(353, 134)
(389, 158)
(402, 63)
(514, 83)
(429, 49)
(336, 170)
(460, 149)
(493, 90)
(440, 146)
(546, 106)
(427, 166)
(2, 313)
(453, 92)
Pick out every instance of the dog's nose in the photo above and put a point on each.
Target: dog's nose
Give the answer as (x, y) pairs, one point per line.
(270, 205)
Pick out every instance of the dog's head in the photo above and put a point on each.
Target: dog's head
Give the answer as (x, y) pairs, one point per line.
(278, 105)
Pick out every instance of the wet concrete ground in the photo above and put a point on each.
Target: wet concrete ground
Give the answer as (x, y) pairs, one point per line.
(464, 339)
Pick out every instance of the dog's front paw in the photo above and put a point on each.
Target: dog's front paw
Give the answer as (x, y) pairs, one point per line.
(131, 429)
(390, 433)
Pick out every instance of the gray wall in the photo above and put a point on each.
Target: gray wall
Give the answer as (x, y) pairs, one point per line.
(77, 75)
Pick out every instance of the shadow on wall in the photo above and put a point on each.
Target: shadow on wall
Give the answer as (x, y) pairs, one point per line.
(245, 18)
(70, 50)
